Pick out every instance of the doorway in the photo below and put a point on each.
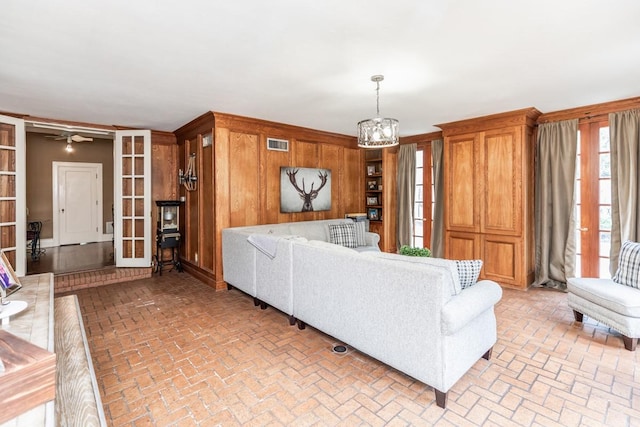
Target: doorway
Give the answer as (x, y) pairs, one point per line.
(77, 202)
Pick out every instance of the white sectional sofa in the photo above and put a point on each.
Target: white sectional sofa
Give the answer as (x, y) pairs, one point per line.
(262, 269)
(410, 313)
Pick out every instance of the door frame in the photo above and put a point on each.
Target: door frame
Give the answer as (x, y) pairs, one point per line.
(56, 208)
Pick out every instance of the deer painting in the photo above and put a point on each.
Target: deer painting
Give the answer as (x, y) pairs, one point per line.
(307, 196)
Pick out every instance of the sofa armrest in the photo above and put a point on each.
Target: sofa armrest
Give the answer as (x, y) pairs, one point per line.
(372, 239)
(469, 304)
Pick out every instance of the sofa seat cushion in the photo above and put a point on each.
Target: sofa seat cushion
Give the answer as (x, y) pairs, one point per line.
(620, 299)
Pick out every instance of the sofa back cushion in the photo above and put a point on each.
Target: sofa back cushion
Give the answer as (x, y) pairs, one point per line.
(309, 230)
(449, 265)
(628, 272)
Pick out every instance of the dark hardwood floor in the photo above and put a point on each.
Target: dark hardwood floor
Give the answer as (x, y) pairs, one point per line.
(72, 258)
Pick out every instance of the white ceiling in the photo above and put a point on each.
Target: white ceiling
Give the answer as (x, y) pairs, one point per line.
(158, 64)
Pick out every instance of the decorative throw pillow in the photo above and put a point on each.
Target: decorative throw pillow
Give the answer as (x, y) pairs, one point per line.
(360, 233)
(468, 272)
(343, 234)
(629, 265)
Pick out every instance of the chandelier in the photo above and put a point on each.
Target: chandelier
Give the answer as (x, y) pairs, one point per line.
(378, 132)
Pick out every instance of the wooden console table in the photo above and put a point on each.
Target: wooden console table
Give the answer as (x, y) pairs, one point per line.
(35, 325)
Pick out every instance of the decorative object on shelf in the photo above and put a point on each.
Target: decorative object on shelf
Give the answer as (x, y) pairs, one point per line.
(378, 132)
(373, 215)
(371, 170)
(372, 201)
(188, 178)
(410, 251)
(373, 185)
(294, 195)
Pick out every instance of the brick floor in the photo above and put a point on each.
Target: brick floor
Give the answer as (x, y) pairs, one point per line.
(171, 351)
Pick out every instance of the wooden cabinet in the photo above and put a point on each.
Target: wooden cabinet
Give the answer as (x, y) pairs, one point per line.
(488, 183)
(380, 168)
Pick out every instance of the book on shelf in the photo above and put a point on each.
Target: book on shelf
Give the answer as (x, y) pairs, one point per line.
(360, 216)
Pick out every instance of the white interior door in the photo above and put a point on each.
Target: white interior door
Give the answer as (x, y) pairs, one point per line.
(77, 202)
(132, 202)
(13, 192)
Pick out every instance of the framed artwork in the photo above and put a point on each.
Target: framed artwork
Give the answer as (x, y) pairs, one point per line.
(373, 185)
(372, 201)
(371, 170)
(373, 214)
(9, 282)
(305, 189)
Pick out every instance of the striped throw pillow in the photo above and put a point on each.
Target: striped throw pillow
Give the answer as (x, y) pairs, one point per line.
(629, 265)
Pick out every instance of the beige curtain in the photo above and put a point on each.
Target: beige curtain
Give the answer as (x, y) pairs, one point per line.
(555, 222)
(437, 233)
(624, 138)
(406, 192)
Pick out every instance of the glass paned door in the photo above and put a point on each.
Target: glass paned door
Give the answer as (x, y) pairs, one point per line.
(13, 193)
(593, 208)
(132, 210)
(423, 207)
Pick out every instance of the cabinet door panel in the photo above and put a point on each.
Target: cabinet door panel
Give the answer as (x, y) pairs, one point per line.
(503, 182)
(462, 183)
(462, 246)
(501, 260)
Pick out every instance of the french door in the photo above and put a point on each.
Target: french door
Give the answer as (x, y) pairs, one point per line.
(132, 202)
(13, 192)
(593, 207)
(423, 202)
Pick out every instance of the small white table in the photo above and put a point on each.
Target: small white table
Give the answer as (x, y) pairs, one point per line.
(10, 308)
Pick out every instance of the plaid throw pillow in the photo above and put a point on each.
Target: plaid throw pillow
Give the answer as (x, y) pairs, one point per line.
(343, 234)
(629, 265)
(468, 271)
(360, 230)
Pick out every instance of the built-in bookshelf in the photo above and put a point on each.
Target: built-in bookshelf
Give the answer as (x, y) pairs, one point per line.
(373, 182)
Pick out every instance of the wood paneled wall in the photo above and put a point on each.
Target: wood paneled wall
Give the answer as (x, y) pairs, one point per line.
(164, 173)
(239, 181)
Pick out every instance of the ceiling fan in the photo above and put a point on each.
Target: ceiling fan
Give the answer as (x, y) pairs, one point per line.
(71, 137)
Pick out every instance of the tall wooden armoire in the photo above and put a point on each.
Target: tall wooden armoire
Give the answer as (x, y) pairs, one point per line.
(489, 200)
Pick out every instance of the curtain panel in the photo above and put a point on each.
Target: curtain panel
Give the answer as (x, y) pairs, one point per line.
(437, 150)
(624, 139)
(555, 221)
(406, 192)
